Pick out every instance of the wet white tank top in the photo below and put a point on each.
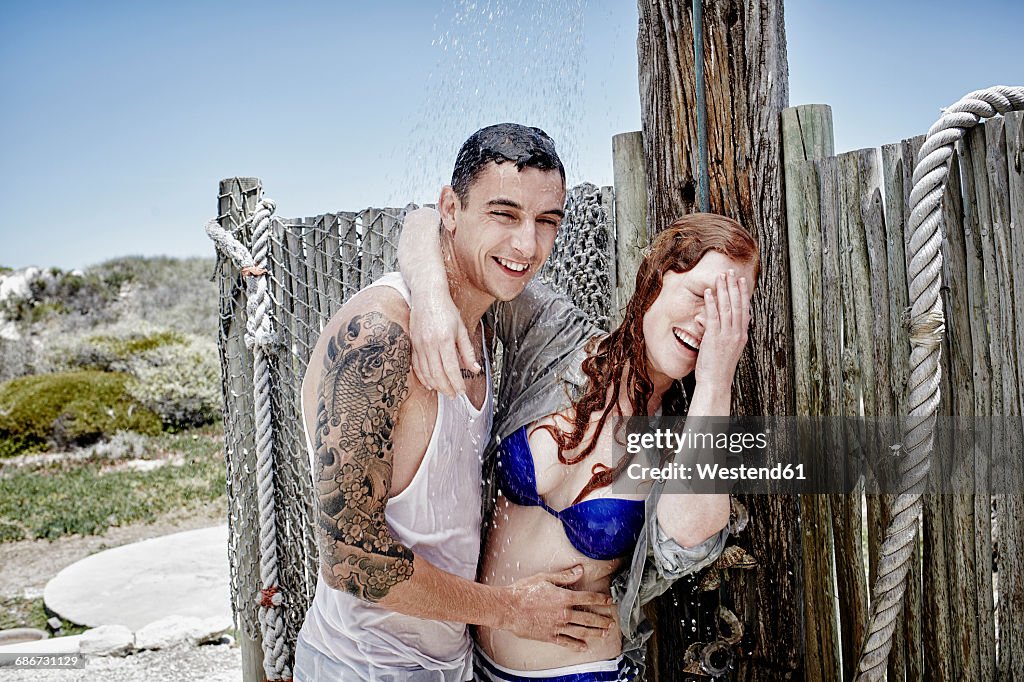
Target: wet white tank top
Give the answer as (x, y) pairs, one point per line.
(438, 517)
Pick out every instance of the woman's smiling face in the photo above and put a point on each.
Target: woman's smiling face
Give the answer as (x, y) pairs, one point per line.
(674, 324)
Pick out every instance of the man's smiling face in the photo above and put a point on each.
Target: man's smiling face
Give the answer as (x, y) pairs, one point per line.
(506, 229)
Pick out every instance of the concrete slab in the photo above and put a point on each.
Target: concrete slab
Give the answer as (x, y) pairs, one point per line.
(183, 574)
(53, 645)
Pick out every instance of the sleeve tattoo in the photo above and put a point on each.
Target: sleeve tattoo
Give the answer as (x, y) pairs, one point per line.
(364, 382)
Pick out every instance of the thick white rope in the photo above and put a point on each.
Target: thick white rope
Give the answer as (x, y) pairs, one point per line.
(260, 337)
(926, 329)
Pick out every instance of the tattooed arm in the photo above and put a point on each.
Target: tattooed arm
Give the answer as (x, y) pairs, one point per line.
(364, 381)
(363, 385)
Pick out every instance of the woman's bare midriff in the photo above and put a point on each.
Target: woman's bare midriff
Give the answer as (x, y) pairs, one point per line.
(522, 542)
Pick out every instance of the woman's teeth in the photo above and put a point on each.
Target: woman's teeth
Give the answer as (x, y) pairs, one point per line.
(687, 340)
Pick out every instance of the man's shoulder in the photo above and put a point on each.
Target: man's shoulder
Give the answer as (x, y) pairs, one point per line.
(381, 300)
(380, 308)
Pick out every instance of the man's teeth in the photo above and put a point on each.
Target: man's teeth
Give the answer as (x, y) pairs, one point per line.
(513, 265)
(687, 339)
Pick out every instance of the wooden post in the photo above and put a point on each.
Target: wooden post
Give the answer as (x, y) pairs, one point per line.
(1014, 544)
(905, 659)
(981, 373)
(236, 200)
(746, 76)
(630, 172)
(1010, 507)
(807, 136)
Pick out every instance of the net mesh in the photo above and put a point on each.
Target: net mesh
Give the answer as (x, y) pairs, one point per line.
(314, 265)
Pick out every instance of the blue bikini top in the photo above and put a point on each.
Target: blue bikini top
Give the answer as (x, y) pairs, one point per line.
(603, 528)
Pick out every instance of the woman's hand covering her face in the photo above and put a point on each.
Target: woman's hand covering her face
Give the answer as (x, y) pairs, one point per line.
(727, 319)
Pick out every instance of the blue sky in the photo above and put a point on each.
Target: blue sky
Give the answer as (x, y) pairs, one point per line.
(119, 118)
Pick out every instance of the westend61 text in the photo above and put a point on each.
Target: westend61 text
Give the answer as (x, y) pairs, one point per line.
(716, 472)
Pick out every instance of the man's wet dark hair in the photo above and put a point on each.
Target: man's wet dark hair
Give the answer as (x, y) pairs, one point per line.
(524, 146)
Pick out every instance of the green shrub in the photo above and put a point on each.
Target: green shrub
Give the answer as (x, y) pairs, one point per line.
(135, 345)
(67, 409)
(10, 532)
(177, 375)
(114, 352)
(168, 292)
(16, 358)
(58, 293)
(179, 382)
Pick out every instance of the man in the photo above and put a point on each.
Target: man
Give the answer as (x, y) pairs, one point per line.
(397, 466)
(541, 371)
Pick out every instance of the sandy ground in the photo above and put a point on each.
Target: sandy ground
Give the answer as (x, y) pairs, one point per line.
(26, 567)
(214, 663)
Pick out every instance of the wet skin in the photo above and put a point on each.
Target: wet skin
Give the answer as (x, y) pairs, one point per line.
(504, 233)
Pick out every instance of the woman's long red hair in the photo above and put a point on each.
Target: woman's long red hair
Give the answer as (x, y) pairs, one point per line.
(624, 351)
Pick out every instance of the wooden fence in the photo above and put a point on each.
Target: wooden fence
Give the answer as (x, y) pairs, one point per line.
(964, 607)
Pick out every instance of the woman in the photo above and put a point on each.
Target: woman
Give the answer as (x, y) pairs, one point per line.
(553, 467)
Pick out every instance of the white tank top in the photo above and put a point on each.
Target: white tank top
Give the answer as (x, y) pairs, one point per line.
(438, 517)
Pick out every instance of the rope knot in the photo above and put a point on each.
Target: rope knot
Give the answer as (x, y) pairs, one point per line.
(267, 339)
(253, 271)
(926, 330)
(270, 597)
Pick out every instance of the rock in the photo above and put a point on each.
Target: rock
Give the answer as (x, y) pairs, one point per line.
(213, 630)
(18, 284)
(107, 640)
(20, 635)
(173, 630)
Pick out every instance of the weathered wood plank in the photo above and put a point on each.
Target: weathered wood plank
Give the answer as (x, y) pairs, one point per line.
(858, 375)
(841, 385)
(316, 261)
(390, 226)
(807, 135)
(1014, 133)
(907, 636)
(868, 266)
(237, 199)
(370, 246)
(300, 296)
(350, 261)
(630, 172)
(1014, 591)
(332, 263)
(870, 258)
(960, 514)
(1010, 508)
(981, 370)
(1014, 124)
(990, 268)
(873, 327)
